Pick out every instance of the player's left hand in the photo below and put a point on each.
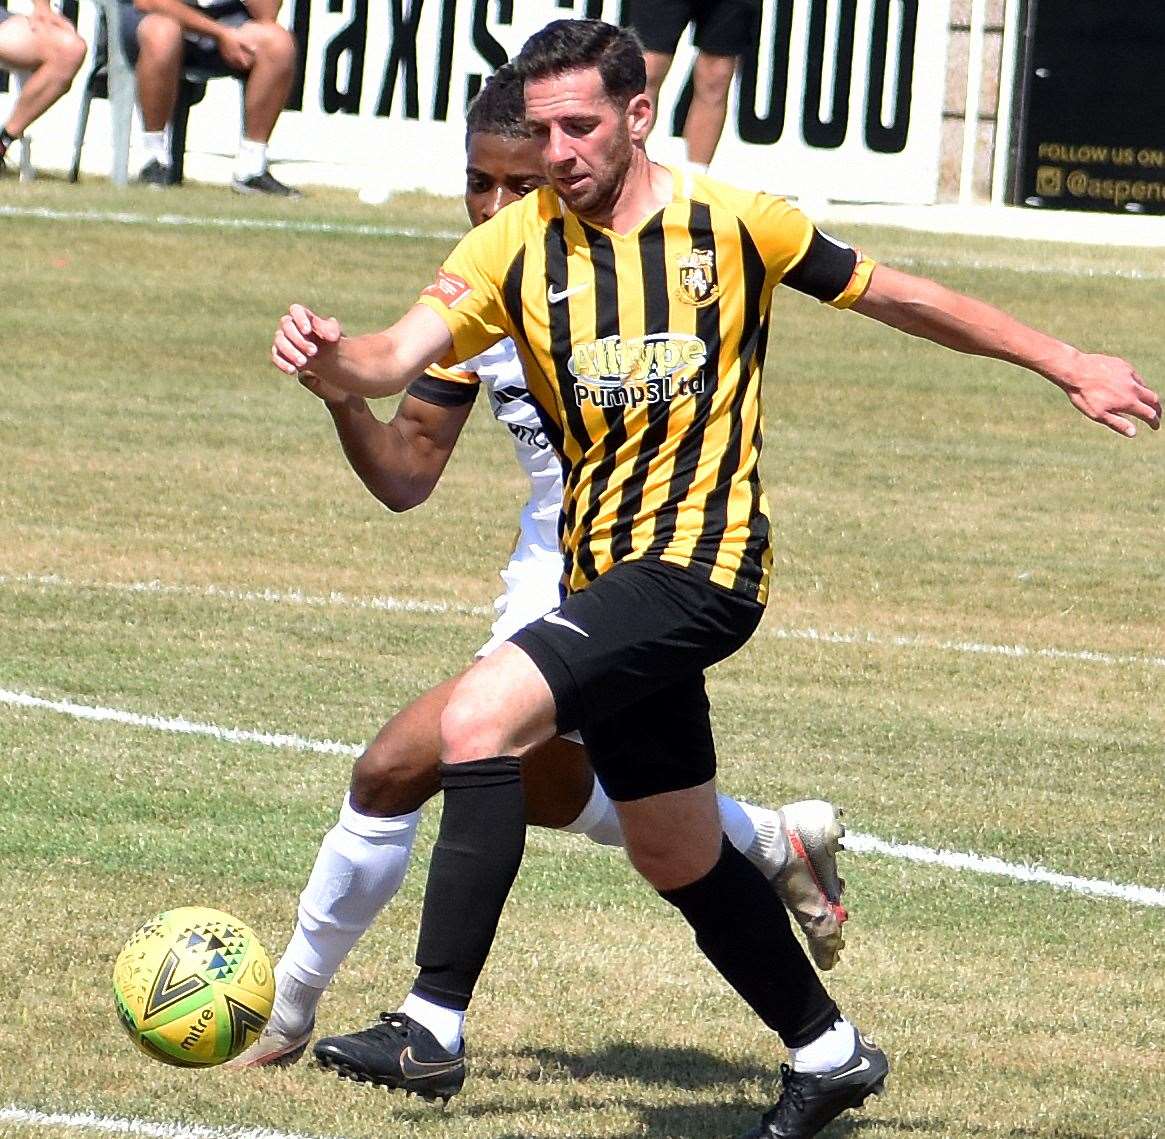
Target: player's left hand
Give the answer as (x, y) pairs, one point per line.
(251, 36)
(304, 341)
(1108, 390)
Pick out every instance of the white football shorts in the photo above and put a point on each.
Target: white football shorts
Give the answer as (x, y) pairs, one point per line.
(531, 579)
(532, 590)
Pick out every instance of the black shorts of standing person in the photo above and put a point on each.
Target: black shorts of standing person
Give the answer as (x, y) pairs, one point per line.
(722, 32)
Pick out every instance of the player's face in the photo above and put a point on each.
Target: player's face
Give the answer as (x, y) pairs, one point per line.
(586, 140)
(499, 171)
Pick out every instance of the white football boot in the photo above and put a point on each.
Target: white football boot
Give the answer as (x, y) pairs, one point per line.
(273, 1049)
(288, 1032)
(796, 850)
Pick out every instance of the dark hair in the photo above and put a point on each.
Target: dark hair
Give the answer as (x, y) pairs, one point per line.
(498, 107)
(575, 45)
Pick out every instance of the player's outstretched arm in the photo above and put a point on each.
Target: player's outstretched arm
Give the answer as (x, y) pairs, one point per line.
(376, 364)
(400, 461)
(1104, 388)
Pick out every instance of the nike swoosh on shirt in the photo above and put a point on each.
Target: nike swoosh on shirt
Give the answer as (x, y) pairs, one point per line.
(554, 295)
(555, 619)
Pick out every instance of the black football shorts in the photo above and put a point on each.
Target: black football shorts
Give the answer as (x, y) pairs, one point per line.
(723, 27)
(197, 51)
(625, 660)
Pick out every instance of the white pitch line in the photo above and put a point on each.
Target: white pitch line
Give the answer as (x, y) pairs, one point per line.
(176, 724)
(390, 604)
(975, 648)
(281, 225)
(1094, 273)
(855, 840)
(357, 229)
(110, 1125)
(858, 843)
(334, 599)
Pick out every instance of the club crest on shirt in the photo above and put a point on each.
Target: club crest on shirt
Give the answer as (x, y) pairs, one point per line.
(698, 285)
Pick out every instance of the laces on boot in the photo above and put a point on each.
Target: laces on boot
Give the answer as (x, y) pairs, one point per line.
(792, 1094)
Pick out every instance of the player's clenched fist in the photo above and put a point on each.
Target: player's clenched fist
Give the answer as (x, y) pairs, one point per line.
(303, 338)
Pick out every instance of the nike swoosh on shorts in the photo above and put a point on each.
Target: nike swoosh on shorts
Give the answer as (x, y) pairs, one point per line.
(555, 619)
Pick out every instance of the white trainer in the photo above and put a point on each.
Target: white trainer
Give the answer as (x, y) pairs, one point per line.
(273, 1049)
(796, 849)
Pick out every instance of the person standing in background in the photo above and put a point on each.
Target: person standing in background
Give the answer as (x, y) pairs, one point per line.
(723, 29)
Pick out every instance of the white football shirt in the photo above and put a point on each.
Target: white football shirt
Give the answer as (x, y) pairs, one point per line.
(534, 572)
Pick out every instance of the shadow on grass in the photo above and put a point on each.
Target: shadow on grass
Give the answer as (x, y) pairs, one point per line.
(702, 1122)
(694, 1069)
(855, 1125)
(672, 1067)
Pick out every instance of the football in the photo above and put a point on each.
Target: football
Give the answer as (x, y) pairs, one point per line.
(193, 987)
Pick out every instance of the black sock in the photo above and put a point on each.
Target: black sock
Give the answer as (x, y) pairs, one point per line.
(474, 863)
(742, 928)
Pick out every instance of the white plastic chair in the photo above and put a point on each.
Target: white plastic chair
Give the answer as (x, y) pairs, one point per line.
(110, 77)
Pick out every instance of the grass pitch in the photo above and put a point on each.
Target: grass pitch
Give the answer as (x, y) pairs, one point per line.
(917, 495)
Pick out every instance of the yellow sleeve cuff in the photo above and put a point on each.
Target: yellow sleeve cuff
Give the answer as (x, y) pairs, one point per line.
(858, 283)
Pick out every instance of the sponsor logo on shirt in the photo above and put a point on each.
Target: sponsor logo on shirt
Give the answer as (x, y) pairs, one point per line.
(510, 402)
(530, 436)
(614, 372)
(448, 288)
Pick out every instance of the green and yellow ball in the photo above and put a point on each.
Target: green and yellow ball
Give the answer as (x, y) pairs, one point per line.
(193, 987)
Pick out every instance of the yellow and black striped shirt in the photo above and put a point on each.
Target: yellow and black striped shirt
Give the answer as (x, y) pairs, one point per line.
(644, 353)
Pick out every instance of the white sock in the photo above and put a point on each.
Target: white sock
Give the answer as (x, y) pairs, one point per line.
(446, 1024)
(771, 839)
(698, 167)
(830, 1050)
(738, 824)
(599, 820)
(251, 160)
(156, 148)
(360, 867)
(294, 1009)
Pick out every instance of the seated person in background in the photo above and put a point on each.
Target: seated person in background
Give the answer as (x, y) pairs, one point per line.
(47, 46)
(162, 36)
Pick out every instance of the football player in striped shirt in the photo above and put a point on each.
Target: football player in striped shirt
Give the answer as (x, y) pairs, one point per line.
(639, 301)
(362, 861)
